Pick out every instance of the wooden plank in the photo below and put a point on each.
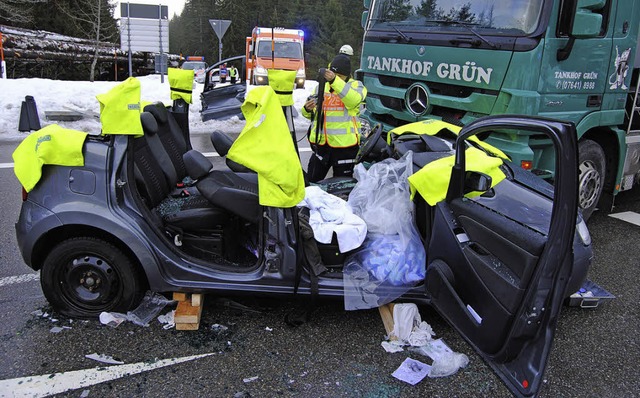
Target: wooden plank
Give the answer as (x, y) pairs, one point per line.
(386, 313)
(179, 296)
(186, 313)
(187, 326)
(196, 299)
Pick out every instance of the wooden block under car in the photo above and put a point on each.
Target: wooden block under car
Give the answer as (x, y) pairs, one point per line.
(386, 313)
(180, 296)
(187, 326)
(196, 300)
(187, 313)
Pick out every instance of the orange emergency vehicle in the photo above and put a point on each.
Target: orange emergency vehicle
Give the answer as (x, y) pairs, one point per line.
(275, 48)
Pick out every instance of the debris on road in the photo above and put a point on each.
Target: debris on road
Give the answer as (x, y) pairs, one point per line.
(104, 359)
(412, 371)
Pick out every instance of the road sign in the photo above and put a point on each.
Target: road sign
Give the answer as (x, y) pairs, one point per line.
(144, 27)
(220, 27)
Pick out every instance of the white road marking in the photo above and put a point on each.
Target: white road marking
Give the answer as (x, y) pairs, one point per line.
(628, 216)
(6, 165)
(56, 383)
(11, 280)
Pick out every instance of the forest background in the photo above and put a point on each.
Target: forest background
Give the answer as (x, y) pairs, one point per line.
(327, 25)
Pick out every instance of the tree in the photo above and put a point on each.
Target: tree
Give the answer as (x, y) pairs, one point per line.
(397, 10)
(427, 9)
(92, 20)
(18, 12)
(462, 14)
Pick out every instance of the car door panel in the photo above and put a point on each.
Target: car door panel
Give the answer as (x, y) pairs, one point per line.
(498, 280)
(464, 292)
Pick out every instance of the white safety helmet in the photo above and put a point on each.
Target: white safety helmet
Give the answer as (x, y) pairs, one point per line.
(346, 49)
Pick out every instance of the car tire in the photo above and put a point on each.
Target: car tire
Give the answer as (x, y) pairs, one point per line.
(591, 174)
(82, 277)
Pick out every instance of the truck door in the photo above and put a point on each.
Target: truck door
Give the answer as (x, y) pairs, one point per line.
(573, 74)
(500, 281)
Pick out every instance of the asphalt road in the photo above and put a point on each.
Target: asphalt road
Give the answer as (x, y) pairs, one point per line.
(337, 353)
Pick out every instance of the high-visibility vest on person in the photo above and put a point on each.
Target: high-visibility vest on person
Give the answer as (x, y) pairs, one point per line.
(339, 115)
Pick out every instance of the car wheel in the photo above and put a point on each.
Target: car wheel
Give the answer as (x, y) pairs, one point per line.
(82, 277)
(590, 176)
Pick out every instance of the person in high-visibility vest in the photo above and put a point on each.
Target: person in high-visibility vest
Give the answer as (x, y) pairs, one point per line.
(233, 74)
(334, 133)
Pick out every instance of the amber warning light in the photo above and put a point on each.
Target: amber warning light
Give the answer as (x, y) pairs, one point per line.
(526, 164)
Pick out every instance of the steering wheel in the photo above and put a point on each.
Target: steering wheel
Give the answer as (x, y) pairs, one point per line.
(370, 143)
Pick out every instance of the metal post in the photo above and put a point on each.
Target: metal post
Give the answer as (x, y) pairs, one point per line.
(160, 30)
(129, 39)
(220, 49)
(3, 65)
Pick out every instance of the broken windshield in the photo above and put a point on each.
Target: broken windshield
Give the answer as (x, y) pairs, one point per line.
(513, 17)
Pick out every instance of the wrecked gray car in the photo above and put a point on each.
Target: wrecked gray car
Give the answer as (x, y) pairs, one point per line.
(137, 216)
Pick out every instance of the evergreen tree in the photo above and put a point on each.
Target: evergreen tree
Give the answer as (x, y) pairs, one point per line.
(427, 9)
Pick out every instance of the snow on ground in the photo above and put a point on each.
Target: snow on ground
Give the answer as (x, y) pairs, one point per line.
(58, 95)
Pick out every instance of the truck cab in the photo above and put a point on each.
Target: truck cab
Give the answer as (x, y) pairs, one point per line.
(460, 60)
(275, 48)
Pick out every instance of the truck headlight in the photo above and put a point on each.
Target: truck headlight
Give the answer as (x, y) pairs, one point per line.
(261, 70)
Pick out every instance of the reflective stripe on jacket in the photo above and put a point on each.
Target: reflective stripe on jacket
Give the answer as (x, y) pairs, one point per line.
(340, 127)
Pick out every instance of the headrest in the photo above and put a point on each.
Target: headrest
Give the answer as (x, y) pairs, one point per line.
(158, 111)
(197, 164)
(149, 123)
(221, 142)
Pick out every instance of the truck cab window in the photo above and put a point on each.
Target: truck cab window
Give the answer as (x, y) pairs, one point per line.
(511, 17)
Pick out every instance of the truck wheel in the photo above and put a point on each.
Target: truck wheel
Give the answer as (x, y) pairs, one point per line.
(82, 277)
(590, 176)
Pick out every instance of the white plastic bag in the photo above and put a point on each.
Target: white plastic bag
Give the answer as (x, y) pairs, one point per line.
(392, 258)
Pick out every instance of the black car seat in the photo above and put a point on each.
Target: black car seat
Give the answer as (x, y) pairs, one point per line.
(186, 212)
(233, 191)
(170, 135)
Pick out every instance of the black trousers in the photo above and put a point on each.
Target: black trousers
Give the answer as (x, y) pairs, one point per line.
(324, 157)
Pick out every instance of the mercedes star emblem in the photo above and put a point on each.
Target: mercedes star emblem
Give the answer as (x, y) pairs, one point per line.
(417, 99)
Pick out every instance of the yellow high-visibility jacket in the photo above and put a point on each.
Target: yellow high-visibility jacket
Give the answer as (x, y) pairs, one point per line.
(432, 181)
(265, 146)
(181, 84)
(340, 125)
(50, 145)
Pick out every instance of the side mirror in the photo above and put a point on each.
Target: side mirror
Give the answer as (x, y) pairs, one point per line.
(474, 181)
(587, 23)
(583, 23)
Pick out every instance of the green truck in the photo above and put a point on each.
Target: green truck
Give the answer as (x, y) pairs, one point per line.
(457, 60)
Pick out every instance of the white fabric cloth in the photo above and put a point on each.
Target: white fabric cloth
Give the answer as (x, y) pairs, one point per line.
(409, 327)
(329, 214)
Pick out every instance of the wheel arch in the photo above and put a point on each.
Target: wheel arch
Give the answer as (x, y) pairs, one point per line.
(610, 144)
(55, 236)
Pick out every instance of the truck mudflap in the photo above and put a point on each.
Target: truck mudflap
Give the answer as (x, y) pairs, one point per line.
(222, 102)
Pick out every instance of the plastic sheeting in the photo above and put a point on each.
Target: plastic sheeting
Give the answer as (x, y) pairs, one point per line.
(392, 258)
